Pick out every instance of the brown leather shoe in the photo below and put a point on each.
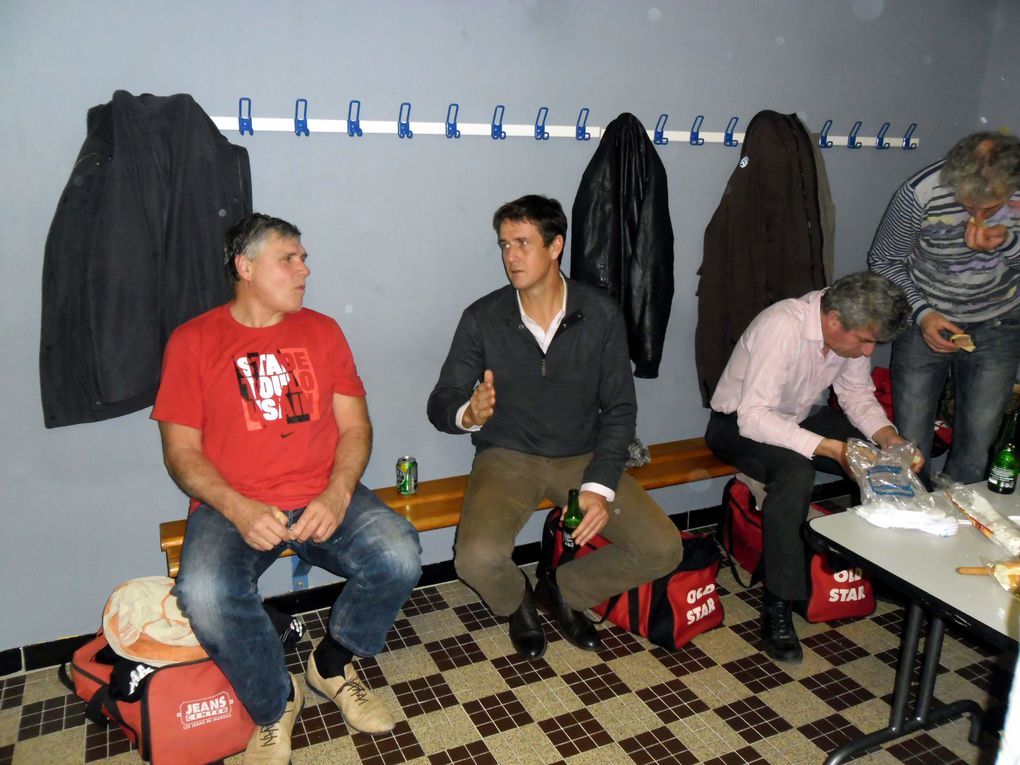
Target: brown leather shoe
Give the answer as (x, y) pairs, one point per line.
(361, 708)
(575, 626)
(526, 632)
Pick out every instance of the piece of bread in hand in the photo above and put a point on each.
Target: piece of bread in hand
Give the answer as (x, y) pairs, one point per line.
(962, 342)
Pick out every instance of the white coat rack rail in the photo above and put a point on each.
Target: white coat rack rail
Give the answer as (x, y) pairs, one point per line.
(402, 127)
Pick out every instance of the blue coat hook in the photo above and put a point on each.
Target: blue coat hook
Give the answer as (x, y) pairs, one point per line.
(244, 122)
(404, 121)
(497, 132)
(728, 139)
(301, 117)
(581, 132)
(880, 142)
(823, 139)
(660, 128)
(354, 119)
(541, 134)
(908, 135)
(851, 141)
(451, 121)
(696, 139)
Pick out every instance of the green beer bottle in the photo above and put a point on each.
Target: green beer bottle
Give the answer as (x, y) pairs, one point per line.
(571, 519)
(1003, 473)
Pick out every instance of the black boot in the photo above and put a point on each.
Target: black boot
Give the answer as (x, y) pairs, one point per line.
(778, 638)
(575, 626)
(525, 629)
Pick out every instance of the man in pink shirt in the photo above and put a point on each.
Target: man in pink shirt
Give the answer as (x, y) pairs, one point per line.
(762, 421)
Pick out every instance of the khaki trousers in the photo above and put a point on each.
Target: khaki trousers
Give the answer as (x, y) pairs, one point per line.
(504, 489)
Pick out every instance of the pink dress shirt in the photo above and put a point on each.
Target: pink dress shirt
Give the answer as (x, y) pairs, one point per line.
(778, 371)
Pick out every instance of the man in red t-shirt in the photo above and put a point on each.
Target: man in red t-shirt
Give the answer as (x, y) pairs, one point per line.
(265, 427)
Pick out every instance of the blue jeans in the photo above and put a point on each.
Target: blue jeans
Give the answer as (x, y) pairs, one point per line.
(374, 548)
(983, 381)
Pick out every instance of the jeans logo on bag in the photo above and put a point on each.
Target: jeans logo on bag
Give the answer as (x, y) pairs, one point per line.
(700, 611)
(847, 594)
(207, 710)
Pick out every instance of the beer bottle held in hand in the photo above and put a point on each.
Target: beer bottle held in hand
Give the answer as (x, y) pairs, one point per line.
(1005, 465)
(571, 520)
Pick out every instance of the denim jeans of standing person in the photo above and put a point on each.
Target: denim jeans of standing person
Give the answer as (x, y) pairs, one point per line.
(374, 548)
(789, 479)
(982, 380)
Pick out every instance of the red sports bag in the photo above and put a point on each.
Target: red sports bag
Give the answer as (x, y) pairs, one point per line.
(671, 610)
(188, 714)
(836, 592)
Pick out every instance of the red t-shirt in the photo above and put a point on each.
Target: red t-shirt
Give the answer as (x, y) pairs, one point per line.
(263, 399)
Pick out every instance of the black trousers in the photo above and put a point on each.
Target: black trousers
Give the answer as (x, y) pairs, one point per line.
(789, 479)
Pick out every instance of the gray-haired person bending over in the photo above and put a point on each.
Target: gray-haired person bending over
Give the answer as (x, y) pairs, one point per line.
(762, 420)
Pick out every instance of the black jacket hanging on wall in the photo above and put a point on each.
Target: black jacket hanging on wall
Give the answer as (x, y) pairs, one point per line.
(622, 239)
(134, 250)
(764, 242)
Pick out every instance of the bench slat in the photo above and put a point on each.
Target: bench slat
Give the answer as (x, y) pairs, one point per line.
(437, 503)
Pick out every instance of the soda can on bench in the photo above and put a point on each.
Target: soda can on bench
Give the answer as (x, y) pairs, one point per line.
(407, 475)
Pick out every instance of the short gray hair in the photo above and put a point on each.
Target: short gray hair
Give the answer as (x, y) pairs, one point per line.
(983, 167)
(866, 300)
(247, 236)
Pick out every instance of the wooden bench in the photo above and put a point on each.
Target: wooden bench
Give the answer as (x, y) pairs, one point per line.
(437, 503)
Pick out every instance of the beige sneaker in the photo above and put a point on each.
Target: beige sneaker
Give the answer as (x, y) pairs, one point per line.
(270, 744)
(361, 708)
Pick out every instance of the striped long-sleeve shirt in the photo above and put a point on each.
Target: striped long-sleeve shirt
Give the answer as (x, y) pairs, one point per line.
(920, 246)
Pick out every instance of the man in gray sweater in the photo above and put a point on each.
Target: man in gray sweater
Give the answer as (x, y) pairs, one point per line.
(539, 374)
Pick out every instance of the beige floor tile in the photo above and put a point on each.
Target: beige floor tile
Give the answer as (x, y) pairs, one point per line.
(793, 702)
(9, 719)
(437, 625)
(475, 681)
(443, 729)
(641, 670)
(624, 717)
(43, 684)
(52, 749)
(522, 746)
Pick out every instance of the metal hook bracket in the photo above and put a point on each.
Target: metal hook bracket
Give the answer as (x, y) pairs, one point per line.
(660, 128)
(851, 141)
(541, 134)
(823, 139)
(728, 139)
(244, 116)
(580, 131)
(496, 131)
(301, 117)
(696, 139)
(354, 119)
(451, 121)
(404, 121)
(880, 142)
(907, 145)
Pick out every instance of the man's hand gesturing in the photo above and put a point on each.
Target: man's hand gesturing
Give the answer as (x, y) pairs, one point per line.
(482, 403)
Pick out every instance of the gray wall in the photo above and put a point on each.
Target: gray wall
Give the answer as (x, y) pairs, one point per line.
(398, 231)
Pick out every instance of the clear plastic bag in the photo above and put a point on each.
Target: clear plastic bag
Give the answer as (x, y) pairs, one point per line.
(892, 496)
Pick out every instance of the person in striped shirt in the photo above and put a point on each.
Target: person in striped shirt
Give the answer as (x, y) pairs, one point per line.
(951, 239)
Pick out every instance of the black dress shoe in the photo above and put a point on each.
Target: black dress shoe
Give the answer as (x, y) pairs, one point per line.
(575, 626)
(525, 629)
(778, 638)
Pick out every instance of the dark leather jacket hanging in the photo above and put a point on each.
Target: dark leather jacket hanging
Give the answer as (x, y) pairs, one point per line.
(764, 242)
(134, 250)
(622, 238)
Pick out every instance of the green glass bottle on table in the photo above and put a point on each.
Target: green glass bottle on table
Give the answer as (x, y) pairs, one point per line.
(571, 519)
(1003, 473)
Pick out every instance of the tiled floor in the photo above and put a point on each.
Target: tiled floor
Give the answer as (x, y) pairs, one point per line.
(460, 696)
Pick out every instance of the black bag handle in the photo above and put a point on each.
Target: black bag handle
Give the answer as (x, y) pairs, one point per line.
(724, 539)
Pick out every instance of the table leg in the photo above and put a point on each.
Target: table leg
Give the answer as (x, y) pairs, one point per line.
(923, 717)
